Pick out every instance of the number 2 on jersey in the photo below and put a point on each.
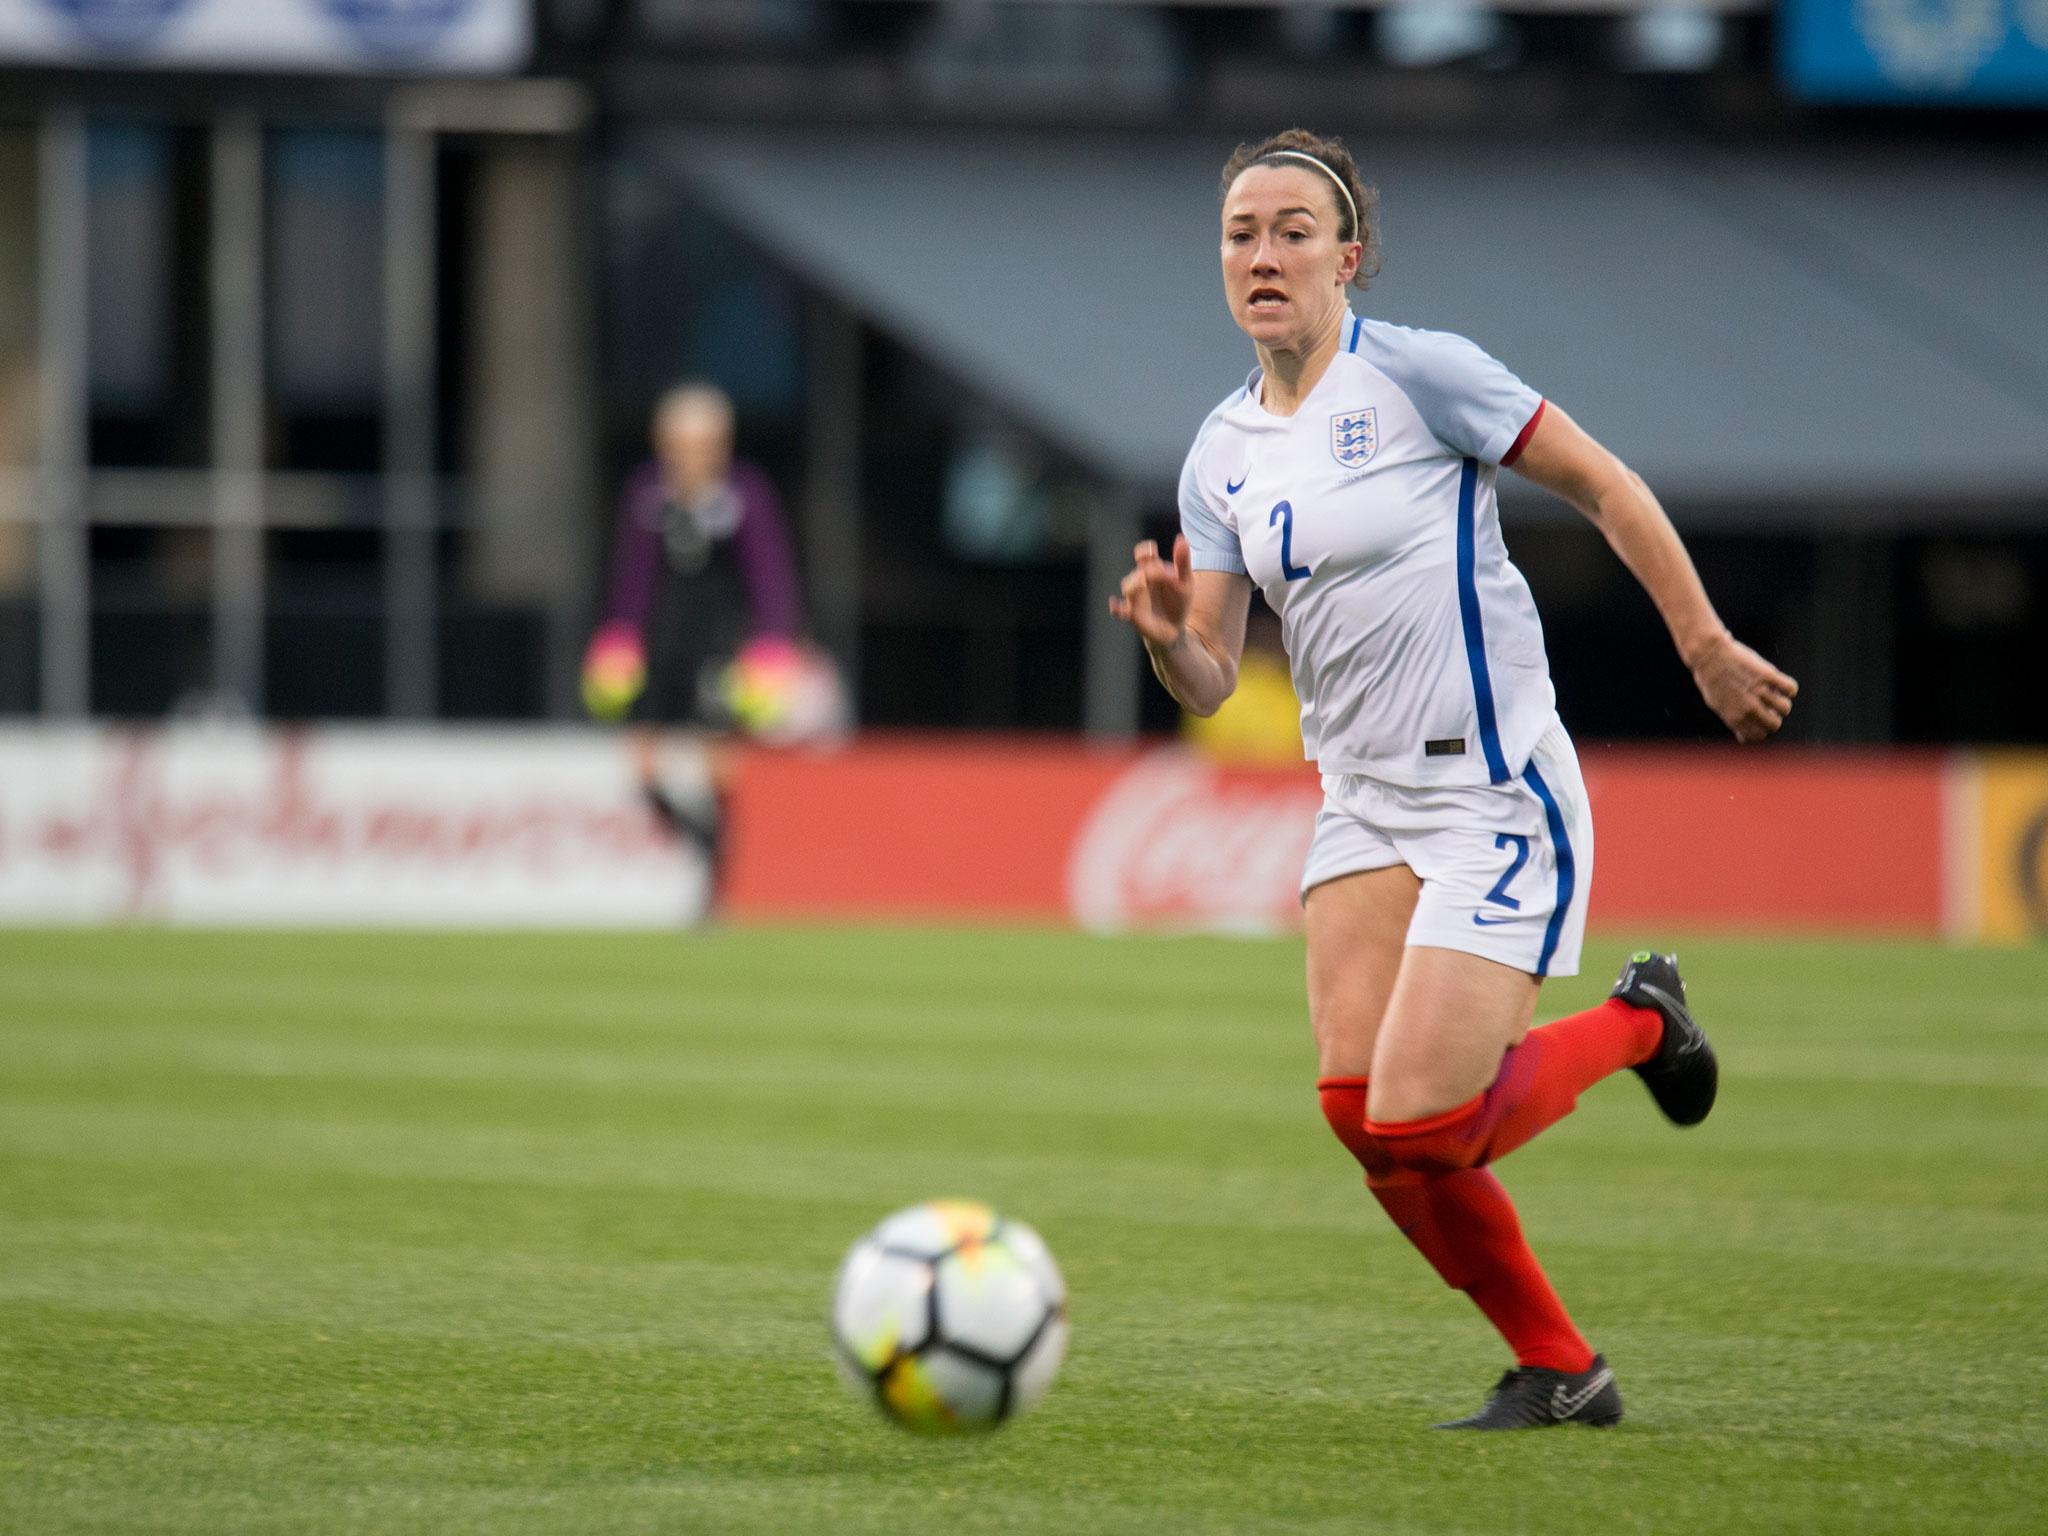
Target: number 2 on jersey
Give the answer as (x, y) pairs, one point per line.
(1283, 514)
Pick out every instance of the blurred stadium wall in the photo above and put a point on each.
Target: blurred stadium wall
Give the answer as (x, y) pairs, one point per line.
(328, 329)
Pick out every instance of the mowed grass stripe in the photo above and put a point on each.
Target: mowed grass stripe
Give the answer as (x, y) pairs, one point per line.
(1193, 1112)
(634, 1015)
(1988, 1039)
(358, 1232)
(696, 1044)
(1807, 990)
(1202, 1188)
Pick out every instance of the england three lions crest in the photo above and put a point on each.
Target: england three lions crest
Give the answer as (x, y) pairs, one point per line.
(1355, 437)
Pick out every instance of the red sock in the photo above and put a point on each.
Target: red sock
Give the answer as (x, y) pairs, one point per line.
(1474, 1217)
(1539, 1082)
(1402, 1193)
(1464, 1224)
(1343, 1100)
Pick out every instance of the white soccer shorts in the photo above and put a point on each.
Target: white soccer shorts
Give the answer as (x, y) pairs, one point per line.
(1506, 869)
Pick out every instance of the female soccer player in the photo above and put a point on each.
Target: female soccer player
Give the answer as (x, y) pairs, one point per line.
(700, 565)
(1353, 479)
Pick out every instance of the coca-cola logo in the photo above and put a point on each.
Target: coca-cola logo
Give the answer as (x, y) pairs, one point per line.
(1179, 842)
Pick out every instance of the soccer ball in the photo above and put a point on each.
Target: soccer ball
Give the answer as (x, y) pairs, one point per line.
(949, 1317)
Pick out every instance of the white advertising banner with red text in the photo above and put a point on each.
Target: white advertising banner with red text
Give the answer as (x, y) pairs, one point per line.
(345, 827)
(543, 827)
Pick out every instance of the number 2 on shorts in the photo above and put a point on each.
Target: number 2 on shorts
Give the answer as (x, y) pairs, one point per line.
(1520, 844)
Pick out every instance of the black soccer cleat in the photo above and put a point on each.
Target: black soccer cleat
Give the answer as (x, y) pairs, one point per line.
(1683, 1076)
(1531, 1397)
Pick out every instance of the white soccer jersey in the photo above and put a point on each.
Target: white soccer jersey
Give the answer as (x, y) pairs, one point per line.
(1368, 519)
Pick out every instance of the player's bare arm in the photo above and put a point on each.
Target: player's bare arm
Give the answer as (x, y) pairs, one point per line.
(1751, 696)
(1192, 623)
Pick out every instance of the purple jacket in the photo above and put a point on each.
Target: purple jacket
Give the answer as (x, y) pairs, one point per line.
(763, 550)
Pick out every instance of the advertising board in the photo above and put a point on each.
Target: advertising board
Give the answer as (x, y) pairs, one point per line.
(354, 36)
(1983, 52)
(546, 827)
(333, 827)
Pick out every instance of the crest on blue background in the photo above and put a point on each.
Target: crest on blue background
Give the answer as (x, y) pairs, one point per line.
(398, 27)
(1355, 437)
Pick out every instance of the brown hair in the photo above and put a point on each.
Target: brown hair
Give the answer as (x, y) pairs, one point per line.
(1279, 150)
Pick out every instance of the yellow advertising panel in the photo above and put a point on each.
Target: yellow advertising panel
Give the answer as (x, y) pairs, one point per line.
(1259, 723)
(2012, 846)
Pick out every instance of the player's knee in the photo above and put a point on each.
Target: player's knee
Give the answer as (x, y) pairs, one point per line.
(1390, 1162)
(1446, 1141)
(1343, 1105)
(1400, 1093)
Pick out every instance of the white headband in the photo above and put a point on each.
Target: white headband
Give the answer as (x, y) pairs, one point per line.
(1342, 190)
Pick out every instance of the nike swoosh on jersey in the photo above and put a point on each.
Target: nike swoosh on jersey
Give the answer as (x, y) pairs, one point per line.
(1230, 489)
(1492, 922)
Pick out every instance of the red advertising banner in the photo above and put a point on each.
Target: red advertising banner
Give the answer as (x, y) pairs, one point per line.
(1053, 832)
(914, 828)
(1766, 840)
(547, 827)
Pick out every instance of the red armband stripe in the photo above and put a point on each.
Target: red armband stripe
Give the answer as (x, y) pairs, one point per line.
(1522, 437)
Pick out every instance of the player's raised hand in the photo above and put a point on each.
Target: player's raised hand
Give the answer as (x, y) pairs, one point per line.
(1154, 597)
(1751, 696)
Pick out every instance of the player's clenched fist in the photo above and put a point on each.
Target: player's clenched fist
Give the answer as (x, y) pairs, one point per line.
(1153, 599)
(1751, 696)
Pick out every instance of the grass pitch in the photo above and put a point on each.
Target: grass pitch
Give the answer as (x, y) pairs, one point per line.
(523, 1234)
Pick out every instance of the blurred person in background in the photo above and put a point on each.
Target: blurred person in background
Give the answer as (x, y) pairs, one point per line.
(1352, 478)
(701, 574)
